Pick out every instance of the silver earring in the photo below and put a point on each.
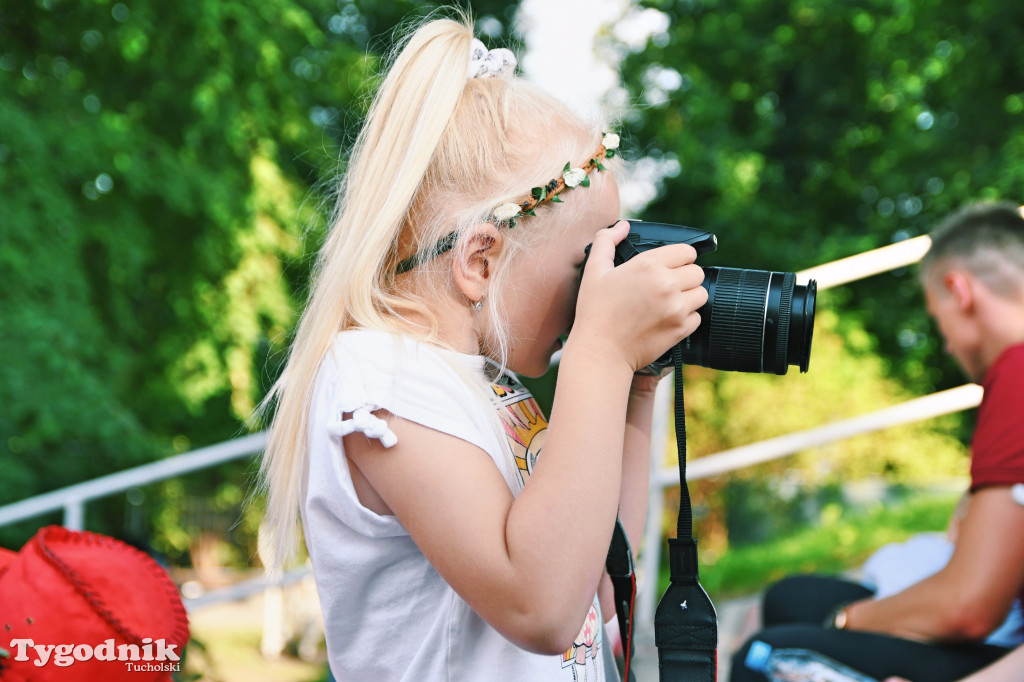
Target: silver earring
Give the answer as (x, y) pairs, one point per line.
(477, 305)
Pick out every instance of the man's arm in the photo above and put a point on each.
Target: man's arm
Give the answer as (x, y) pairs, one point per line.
(971, 596)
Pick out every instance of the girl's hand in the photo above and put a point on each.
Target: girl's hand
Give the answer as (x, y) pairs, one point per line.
(633, 313)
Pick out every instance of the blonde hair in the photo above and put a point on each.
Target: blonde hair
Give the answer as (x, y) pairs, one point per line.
(437, 153)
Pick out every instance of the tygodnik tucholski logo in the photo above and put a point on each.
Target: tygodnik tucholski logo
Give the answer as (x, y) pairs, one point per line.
(151, 656)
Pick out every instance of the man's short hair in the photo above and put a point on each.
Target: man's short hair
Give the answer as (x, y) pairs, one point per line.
(987, 239)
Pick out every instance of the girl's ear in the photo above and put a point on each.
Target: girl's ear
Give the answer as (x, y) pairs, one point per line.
(471, 265)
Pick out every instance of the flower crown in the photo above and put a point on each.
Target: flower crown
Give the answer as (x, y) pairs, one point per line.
(505, 215)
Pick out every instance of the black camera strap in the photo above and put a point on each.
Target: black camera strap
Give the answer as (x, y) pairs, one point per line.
(622, 571)
(685, 623)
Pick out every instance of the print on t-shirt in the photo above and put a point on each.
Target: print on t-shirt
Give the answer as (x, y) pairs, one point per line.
(526, 427)
(586, 646)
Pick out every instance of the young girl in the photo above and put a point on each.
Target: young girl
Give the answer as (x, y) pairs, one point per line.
(445, 547)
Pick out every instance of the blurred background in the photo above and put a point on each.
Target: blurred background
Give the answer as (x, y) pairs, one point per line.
(166, 168)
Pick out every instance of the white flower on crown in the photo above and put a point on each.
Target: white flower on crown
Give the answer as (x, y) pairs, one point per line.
(610, 141)
(573, 176)
(506, 211)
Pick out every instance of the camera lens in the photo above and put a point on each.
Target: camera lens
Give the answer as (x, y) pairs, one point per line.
(754, 321)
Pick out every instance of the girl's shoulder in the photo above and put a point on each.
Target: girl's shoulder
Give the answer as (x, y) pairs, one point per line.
(399, 357)
(411, 379)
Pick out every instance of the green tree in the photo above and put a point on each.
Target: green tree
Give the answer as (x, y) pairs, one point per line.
(804, 131)
(164, 172)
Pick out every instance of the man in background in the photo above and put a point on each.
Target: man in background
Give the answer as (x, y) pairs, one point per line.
(973, 279)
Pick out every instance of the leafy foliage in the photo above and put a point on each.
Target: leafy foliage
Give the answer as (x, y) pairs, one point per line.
(807, 131)
(802, 132)
(162, 166)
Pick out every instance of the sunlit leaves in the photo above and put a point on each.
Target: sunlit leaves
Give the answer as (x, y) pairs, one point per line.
(810, 131)
(164, 167)
(918, 102)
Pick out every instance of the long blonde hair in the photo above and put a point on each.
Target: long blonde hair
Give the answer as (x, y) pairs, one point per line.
(436, 154)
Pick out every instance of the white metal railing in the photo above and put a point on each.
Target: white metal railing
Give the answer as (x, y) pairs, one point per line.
(918, 409)
(245, 588)
(72, 499)
(868, 263)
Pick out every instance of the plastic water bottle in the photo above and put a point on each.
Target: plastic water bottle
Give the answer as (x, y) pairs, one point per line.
(799, 665)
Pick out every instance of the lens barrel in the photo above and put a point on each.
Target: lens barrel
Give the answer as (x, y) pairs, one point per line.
(754, 321)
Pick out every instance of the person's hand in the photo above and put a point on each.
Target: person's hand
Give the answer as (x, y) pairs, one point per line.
(645, 384)
(633, 313)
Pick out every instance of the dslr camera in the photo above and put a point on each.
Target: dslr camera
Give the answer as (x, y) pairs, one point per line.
(754, 320)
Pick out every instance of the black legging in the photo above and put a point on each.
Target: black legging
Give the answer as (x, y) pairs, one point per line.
(793, 613)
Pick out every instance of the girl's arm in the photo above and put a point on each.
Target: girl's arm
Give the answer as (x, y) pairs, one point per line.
(636, 460)
(530, 565)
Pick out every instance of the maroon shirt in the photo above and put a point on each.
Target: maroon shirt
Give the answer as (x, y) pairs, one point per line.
(997, 451)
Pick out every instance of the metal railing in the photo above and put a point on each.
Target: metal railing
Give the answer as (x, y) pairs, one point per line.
(918, 409)
(73, 499)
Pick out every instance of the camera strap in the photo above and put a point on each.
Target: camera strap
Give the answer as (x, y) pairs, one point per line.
(685, 623)
(622, 571)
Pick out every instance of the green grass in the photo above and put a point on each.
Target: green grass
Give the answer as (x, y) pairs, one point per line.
(228, 650)
(840, 542)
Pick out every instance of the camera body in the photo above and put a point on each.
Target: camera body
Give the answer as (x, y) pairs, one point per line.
(754, 320)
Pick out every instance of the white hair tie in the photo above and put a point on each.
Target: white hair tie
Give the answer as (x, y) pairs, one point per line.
(484, 63)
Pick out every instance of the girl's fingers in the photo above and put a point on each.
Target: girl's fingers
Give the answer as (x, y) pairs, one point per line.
(691, 277)
(695, 297)
(674, 255)
(602, 250)
(691, 323)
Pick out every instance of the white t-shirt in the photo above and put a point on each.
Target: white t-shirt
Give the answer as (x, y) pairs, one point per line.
(388, 614)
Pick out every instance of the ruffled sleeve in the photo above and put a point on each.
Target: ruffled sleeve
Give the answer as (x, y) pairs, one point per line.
(367, 373)
(365, 422)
